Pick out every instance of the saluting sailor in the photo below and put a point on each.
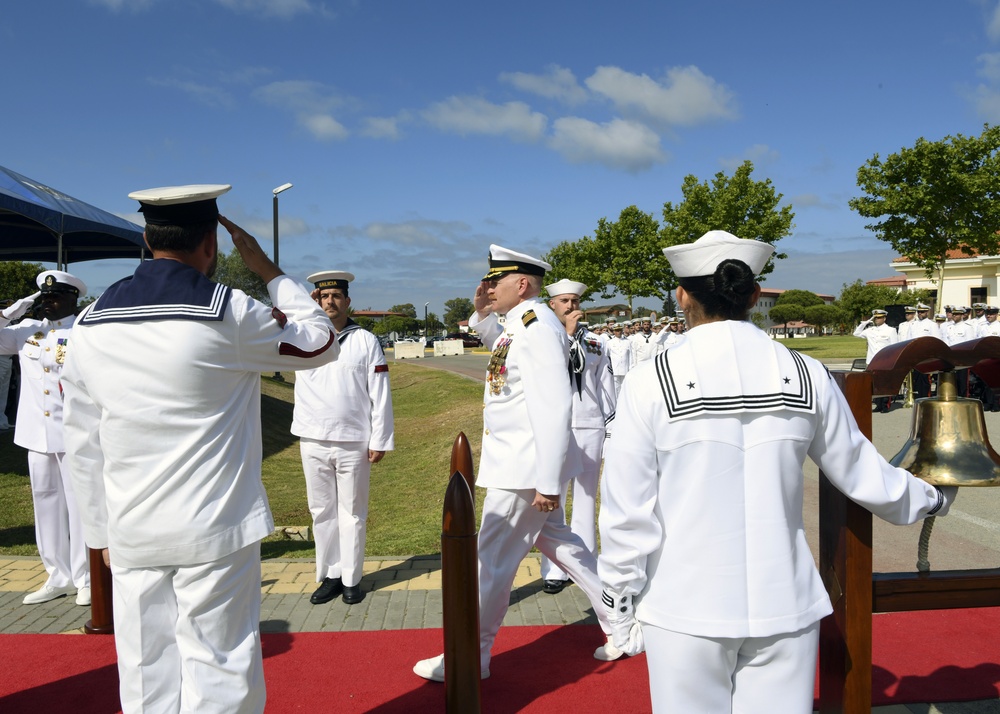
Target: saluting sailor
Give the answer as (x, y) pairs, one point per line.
(42, 347)
(343, 418)
(703, 552)
(878, 335)
(594, 396)
(163, 435)
(526, 454)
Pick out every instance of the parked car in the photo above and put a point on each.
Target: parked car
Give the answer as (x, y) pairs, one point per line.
(467, 339)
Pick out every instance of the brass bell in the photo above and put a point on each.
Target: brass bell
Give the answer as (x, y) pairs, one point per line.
(948, 444)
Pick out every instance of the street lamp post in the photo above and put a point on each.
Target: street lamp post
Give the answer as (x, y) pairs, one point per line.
(427, 330)
(282, 187)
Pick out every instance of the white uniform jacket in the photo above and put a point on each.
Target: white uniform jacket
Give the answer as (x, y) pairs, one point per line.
(989, 329)
(646, 346)
(955, 332)
(701, 501)
(924, 328)
(622, 355)
(526, 424)
(903, 330)
(42, 347)
(877, 336)
(349, 399)
(593, 386)
(162, 419)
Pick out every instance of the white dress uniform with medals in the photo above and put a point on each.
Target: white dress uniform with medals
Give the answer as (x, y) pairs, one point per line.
(703, 552)
(342, 410)
(593, 404)
(163, 434)
(526, 448)
(42, 347)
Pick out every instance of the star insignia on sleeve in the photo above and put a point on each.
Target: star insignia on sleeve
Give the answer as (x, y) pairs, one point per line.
(787, 380)
(690, 385)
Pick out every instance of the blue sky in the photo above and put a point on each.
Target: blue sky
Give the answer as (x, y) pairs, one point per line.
(417, 133)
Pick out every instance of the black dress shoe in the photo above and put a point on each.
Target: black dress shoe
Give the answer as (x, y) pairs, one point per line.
(327, 591)
(353, 594)
(554, 587)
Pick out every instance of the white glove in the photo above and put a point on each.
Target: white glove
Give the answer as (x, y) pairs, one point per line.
(20, 307)
(626, 632)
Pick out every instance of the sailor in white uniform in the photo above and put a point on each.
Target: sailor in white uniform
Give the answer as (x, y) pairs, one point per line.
(42, 347)
(526, 454)
(163, 436)
(343, 418)
(910, 315)
(879, 335)
(594, 397)
(923, 326)
(621, 354)
(645, 341)
(703, 553)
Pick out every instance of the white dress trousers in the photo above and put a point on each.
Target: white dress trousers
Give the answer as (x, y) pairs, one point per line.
(58, 529)
(175, 624)
(338, 478)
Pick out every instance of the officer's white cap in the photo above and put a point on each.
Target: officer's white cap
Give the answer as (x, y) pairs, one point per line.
(921, 307)
(330, 279)
(704, 255)
(180, 205)
(879, 313)
(504, 261)
(566, 287)
(55, 281)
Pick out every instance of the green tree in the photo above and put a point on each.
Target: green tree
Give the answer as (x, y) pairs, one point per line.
(739, 204)
(405, 309)
(783, 314)
(823, 315)
(857, 300)
(935, 197)
(577, 260)
(17, 279)
(798, 297)
(233, 272)
(457, 310)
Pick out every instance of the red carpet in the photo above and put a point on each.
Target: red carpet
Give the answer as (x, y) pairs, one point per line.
(919, 657)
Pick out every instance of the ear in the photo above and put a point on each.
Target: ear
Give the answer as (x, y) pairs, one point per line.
(146, 241)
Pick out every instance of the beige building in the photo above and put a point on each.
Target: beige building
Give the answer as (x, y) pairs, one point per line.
(967, 279)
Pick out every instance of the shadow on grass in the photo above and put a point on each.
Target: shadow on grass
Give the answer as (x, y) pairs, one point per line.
(17, 536)
(276, 425)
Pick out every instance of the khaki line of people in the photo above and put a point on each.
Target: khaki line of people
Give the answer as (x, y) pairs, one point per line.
(704, 563)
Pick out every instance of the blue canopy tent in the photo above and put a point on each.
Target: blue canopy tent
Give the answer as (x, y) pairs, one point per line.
(38, 223)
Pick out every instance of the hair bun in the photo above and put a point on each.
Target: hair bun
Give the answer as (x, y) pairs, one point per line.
(734, 281)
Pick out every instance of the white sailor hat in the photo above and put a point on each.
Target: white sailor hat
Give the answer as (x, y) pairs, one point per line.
(704, 255)
(57, 281)
(566, 287)
(610, 318)
(940, 317)
(646, 318)
(616, 326)
(910, 308)
(990, 310)
(628, 322)
(979, 306)
(921, 307)
(180, 205)
(879, 313)
(504, 261)
(330, 279)
(959, 309)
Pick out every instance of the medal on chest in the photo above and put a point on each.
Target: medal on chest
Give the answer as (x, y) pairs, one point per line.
(61, 350)
(496, 371)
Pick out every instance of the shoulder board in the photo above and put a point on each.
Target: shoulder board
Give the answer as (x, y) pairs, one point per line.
(528, 317)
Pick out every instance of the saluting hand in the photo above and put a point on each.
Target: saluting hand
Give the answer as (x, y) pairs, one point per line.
(481, 300)
(251, 252)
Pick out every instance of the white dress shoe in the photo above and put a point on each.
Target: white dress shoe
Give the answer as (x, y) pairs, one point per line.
(83, 595)
(47, 593)
(607, 652)
(433, 669)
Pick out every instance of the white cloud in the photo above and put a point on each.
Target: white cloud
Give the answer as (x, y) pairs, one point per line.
(619, 144)
(557, 83)
(993, 26)
(311, 102)
(284, 9)
(472, 115)
(758, 154)
(384, 127)
(209, 96)
(119, 5)
(685, 96)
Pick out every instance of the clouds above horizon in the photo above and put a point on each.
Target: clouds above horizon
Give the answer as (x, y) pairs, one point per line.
(281, 9)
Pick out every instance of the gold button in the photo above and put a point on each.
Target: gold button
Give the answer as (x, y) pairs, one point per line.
(48, 349)
(487, 432)
(46, 414)
(46, 369)
(45, 391)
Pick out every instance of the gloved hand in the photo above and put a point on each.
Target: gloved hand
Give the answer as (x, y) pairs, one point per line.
(20, 307)
(948, 494)
(626, 632)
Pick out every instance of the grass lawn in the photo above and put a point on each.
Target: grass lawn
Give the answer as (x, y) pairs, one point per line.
(431, 407)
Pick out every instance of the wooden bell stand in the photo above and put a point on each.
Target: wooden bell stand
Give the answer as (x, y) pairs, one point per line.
(845, 535)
